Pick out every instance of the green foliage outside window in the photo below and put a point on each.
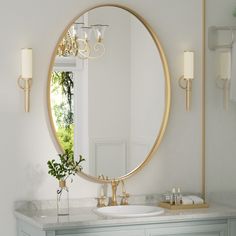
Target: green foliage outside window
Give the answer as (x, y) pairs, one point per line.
(66, 136)
(62, 91)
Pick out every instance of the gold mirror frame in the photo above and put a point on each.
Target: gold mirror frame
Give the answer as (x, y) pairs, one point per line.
(167, 92)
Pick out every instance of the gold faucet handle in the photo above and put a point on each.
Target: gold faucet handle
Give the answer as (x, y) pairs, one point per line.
(124, 199)
(125, 195)
(101, 201)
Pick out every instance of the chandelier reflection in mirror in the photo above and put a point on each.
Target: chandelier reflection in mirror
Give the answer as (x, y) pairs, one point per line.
(78, 41)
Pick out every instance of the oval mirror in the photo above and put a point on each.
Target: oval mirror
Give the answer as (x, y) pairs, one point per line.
(109, 91)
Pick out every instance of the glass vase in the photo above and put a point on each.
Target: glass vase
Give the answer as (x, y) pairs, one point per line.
(62, 199)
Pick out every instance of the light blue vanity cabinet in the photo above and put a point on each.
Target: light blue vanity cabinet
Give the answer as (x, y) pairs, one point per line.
(214, 221)
(218, 227)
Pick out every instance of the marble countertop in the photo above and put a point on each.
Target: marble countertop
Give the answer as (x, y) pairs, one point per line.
(84, 217)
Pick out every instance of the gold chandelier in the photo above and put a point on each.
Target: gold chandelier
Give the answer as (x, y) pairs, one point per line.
(78, 41)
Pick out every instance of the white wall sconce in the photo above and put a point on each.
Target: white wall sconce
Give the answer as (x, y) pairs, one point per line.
(25, 79)
(223, 80)
(185, 81)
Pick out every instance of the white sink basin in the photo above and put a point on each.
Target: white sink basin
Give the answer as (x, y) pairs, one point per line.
(129, 211)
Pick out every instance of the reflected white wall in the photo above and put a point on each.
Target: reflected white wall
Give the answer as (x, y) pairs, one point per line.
(147, 93)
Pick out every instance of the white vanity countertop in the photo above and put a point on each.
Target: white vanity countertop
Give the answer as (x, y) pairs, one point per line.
(84, 217)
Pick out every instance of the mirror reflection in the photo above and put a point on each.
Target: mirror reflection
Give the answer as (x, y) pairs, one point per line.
(107, 91)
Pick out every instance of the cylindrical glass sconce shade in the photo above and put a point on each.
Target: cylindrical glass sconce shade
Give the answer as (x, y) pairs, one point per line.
(26, 63)
(225, 65)
(188, 64)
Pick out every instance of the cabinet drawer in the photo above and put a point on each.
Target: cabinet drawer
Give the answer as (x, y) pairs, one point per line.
(199, 230)
(110, 233)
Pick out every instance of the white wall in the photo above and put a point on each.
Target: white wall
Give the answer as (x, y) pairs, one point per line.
(25, 141)
(221, 124)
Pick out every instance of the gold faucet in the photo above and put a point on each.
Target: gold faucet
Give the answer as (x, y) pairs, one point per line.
(114, 184)
(101, 201)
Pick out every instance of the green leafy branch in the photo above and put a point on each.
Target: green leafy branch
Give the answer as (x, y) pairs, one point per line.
(66, 167)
